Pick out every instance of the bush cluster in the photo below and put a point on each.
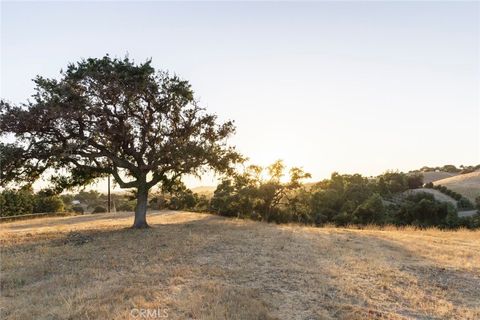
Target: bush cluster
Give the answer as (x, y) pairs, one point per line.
(23, 201)
(462, 202)
(451, 169)
(178, 197)
(260, 194)
(272, 194)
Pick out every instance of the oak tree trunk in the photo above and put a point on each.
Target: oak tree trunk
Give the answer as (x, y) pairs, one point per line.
(140, 221)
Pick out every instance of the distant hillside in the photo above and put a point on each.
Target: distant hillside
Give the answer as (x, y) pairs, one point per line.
(436, 194)
(471, 187)
(432, 176)
(205, 190)
(467, 184)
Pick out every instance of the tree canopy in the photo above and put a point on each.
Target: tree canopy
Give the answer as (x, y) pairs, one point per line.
(112, 116)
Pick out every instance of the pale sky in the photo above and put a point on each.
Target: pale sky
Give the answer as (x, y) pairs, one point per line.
(329, 86)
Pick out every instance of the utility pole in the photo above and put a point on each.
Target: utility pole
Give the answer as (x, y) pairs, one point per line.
(109, 196)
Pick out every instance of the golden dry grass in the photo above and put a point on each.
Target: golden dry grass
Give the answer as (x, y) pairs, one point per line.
(468, 185)
(432, 176)
(199, 266)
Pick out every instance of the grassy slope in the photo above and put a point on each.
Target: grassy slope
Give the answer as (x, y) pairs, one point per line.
(432, 176)
(206, 267)
(439, 196)
(206, 190)
(467, 184)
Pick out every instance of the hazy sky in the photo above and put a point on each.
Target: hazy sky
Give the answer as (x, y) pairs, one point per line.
(330, 86)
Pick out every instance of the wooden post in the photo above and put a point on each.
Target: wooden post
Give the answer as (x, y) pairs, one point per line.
(109, 196)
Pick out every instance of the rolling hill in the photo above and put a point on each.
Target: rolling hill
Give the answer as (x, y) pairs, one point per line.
(432, 176)
(204, 190)
(467, 184)
(439, 196)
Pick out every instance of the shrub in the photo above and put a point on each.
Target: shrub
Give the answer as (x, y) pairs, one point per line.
(90, 198)
(182, 200)
(452, 220)
(16, 202)
(47, 201)
(157, 202)
(78, 209)
(99, 209)
(342, 219)
(394, 181)
(472, 222)
(342, 200)
(371, 211)
(450, 168)
(248, 195)
(448, 192)
(415, 180)
(423, 210)
(429, 185)
(320, 219)
(127, 206)
(202, 203)
(465, 204)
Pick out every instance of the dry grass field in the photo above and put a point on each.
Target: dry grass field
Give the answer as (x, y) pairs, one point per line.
(432, 176)
(467, 184)
(199, 266)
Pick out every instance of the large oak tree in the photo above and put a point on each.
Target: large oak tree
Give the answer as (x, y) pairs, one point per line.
(113, 117)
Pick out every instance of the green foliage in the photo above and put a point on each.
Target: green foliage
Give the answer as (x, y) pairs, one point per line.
(342, 219)
(472, 222)
(202, 203)
(178, 197)
(450, 168)
(77, 209)
(465, 204)
(326, 202)
(338, 198)
(47, 201)
(90, 199)
(371, 211)
(342, 200)
(415, 180)
(237, 195)
(393, 182)
(16, 202)
(429, 185)
(421, 209)
(247, 194)
(67, 201)
(298, 206)
(462, 202)
(448, 192)
(99, 209)
(111, 116)
(126, 206)
(182, 200)
(446, 168)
